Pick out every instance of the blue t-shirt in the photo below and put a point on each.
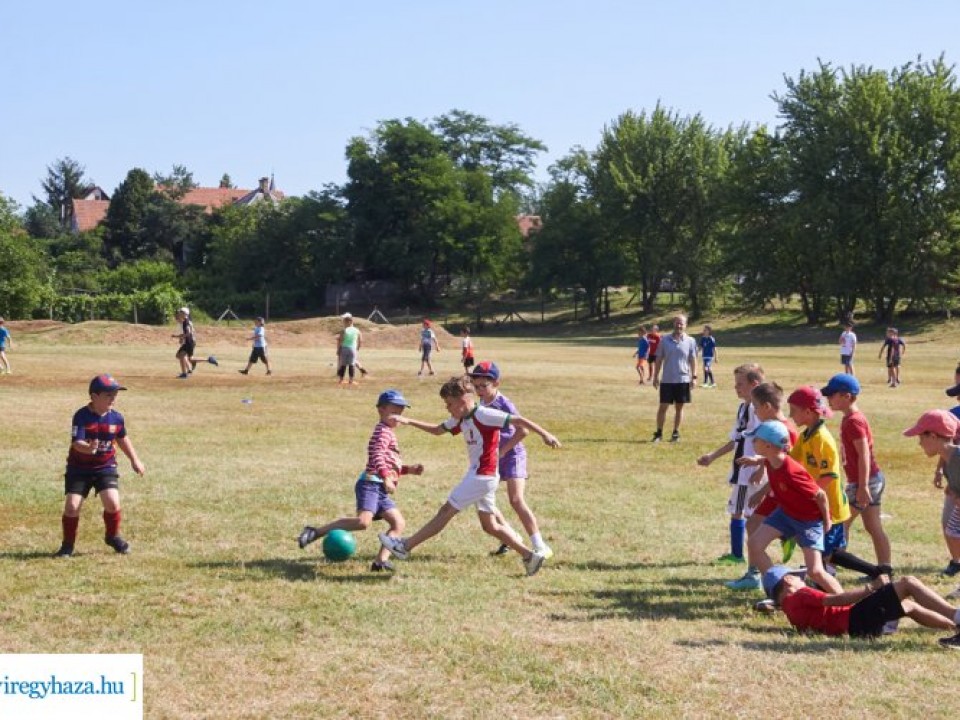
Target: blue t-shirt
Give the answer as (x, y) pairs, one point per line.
(708, 344)
(643, 348)
(4, 336)
(956, 411)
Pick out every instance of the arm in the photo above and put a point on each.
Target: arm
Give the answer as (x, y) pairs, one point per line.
(693, 368)
(656, 368)
(127, 447)
(758, 496)
(863, 481)
(705, 460)
(420, 425)
(86, 447)
(518, 436)
(529, 425)
(847, 598)
(821, 498)
(938, 474)
(882, 346)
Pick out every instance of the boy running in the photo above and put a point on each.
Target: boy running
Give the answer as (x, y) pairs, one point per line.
(188, 345)
(259, 351)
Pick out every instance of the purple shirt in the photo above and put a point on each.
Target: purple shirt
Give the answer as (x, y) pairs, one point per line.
(502, 403)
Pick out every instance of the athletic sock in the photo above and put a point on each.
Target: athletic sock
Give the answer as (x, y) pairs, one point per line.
(69, 529)
(956, 617)
(738, 528)
(537, 540)
(111, 522)
(851, 562)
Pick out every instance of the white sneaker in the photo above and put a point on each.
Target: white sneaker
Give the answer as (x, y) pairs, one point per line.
(534, 563)
(889, 628)
(544, 550)
(396, 546)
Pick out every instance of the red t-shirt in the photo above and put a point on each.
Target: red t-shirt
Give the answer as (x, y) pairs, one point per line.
(654, 340)
(794, 489)
(853, 427)
(805, 611)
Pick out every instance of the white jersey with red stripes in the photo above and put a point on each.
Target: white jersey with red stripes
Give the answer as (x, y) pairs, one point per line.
(481, 430)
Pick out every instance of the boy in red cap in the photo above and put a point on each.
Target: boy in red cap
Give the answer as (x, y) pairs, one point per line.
(98, 430)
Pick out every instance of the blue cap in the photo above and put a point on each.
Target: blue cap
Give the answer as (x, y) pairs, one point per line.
(104, 383)
(773, 576)
(486, 369)
(841, 382)
(773, 431)
(392, 397)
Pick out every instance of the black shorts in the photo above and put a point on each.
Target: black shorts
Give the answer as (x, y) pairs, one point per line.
(78, 482)
(468, 362)
(258, 354)
(868, 616)
(674, 393)
(187, 348)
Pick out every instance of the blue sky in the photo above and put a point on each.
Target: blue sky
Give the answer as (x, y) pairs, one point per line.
(253, 88)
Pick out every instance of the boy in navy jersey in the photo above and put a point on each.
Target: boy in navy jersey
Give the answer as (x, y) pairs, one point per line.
(98, 430)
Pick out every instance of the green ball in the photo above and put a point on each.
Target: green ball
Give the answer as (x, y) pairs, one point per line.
(338, 545)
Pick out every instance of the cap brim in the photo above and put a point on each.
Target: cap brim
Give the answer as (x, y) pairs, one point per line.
(954, 391)
(913, 431)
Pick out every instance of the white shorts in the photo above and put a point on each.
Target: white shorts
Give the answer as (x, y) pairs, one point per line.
(739, 497)
(475, 489)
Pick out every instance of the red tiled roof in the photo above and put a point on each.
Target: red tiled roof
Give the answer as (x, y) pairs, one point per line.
(529, 224)
(87, 214)
(212, 198)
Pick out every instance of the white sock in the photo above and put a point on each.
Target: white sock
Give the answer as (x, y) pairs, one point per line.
(537, 540)
(956, 617)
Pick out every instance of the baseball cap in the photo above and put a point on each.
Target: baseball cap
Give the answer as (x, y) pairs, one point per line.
(773, 432)
(104, 383)
(772, 578)
(809, 398)
(938, 422)
(392, 397)
(841, 382)
(184, 310)
(486, 369)
(346, 316)
(954, 391)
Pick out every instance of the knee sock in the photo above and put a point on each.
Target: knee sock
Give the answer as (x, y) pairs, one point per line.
(738, 528)
(111, 522)
(69, 529)
(341, 370)
(847, 560)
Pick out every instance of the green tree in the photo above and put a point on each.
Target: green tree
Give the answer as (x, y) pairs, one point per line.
(64, 182)
(24, 287)
(124, 235)
(177, 184)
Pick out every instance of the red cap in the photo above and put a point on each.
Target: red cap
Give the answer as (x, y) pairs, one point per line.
(809, 398)
(938, 422)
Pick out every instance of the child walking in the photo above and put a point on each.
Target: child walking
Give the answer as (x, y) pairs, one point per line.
(428, 342)
(466, 349)
(745, 379)
(97, 431)
(642, 353)
(259, 351)
(513, 455)
(865, 481)
(376, 483)
(709, 355)
(895, 348)
(480, 427)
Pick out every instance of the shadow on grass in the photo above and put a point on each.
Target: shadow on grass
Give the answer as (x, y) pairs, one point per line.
(310, 569)
(663, 601)
(28, 555)
(598, 565)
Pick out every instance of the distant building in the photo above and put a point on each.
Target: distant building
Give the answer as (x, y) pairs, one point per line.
(529, 225)
(90, 210)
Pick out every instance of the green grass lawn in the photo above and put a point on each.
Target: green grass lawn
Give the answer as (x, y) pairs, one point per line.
(629, 619)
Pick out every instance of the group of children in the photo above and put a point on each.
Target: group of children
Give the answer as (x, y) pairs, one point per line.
(648, 342)
(893, 345)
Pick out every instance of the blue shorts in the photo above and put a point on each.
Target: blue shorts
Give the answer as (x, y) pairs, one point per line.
(809, 533)
(707, 362)
(835, 540)
(372, 497)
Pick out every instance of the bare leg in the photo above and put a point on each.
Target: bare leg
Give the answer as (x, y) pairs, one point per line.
(515, 489)
(874, 525)
(490, 525)
(757, 547)
(662, 415)
(677, 416)
(438, 522)
(816, 572)
(397, 524)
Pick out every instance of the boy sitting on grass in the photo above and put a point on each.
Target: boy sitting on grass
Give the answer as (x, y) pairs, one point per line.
(480, 427)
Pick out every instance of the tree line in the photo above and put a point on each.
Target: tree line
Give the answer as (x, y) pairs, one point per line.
(850, 202)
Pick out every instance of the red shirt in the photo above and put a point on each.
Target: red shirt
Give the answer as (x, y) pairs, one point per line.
(654, 340)
(805, 611)
(853, 427)
(794, 489)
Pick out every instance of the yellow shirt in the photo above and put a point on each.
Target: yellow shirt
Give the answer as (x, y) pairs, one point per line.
(816, 450)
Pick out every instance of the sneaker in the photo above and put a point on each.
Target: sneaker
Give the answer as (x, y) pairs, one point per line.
(657, 437)
(182, 376)
(890, 627)
(952, 642)
(243, 372)
(64, 551)
(269, 372)
(951, 569)
(117, 543)
(729, 559)
(750, 581)
(787, 547)
(954, 595)
(307, 536)
(544, 550)
(534, 563)
(396, 546)
(767, 607)
(381, 566)
(675, 437)
(213, 361)
(502, 550)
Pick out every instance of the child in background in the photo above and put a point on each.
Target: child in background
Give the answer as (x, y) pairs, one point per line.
(513, 455)
(865, 482)
(466, 349)
(642, 353)
(848, 346)
(188, 345)
(97, 431)
(428, 341)
(803, 510)
(4, 341)
(480, 427)
(376, 483)
(653, 337)
(745, 378)
(708, 351)
(896, 348)
(259, 351)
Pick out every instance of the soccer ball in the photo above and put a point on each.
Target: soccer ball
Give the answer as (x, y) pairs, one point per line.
(338, 545)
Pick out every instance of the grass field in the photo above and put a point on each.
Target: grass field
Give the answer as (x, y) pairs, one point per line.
(629, 619)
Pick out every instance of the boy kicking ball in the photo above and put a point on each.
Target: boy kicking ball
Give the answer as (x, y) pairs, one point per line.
(480, 427)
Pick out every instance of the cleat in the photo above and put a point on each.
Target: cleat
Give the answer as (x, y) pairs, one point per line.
(396, 546)
(381, 566)
(64, 551)
(502, 550)
(533, 563)
(182, 376)
(243, 372)
(750, 581)
(951, 569)
(657, 437)
(952, 642)
(787, 547)
(675, 437)
(118, 544)
(307, 536)
(213, 361)
(729, 559)
(545, 550)
(766, 607)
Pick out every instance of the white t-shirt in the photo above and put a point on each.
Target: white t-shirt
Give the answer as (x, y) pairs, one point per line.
(481, 431)
(848, 341)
